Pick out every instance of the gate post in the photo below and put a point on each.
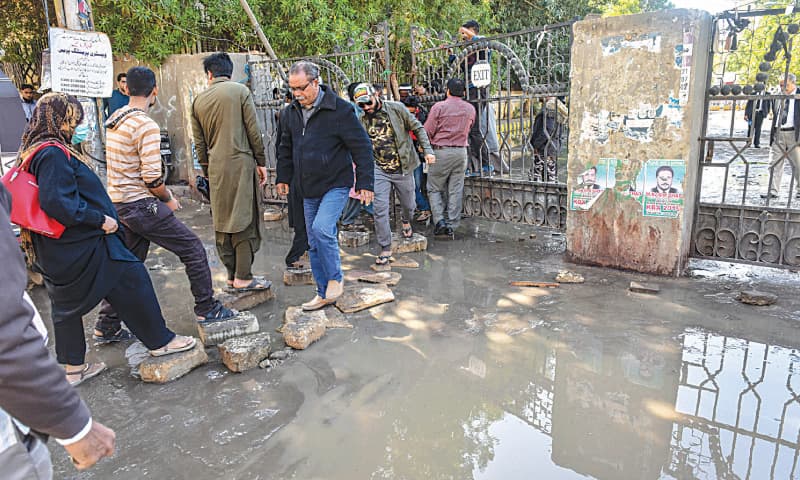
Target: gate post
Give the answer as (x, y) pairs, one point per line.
(637, 103)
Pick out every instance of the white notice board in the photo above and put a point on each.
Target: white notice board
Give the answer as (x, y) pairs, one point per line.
(81, 63)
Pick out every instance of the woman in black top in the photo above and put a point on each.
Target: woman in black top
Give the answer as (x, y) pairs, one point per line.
(89, 261)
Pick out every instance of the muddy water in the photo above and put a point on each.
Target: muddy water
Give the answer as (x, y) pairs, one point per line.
(464, 377)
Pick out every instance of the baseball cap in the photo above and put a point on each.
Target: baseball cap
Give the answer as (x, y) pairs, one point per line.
(363, 93)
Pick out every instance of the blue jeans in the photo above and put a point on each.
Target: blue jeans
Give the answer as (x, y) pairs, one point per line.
(353, 209)
(321, 216)
(422, 202)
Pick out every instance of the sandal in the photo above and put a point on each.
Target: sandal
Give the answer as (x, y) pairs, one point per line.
(219, 312)
(89, 370)
(189, 344)
(407, 231)
(383, 259)
(423, 216)
(120, 335)
(257, 283)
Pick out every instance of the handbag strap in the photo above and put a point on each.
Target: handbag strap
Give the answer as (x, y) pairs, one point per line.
(24, 165)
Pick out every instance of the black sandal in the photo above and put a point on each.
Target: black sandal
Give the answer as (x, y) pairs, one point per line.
(383, 259)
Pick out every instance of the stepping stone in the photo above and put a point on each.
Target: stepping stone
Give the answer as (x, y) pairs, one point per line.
(354, 275)
(170, 367)
(404, 262)
(386, 278)
(214, 333)
(353, 239)
(300, 329)
(298, 276)
(565, 276)
(417, 243)
(650, 288)
(243, 353)
(754, 297)
(246, 300)
(273, 215)
(356, 299)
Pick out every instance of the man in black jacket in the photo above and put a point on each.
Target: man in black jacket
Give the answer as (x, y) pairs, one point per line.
(321, 138)
(755, 111)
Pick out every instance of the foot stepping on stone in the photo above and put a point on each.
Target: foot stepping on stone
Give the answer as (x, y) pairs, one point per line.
(357, 298)
(300, 328)
(416, 243)
(216, 332)
(170, 367)
(247, 299)
(243, 353)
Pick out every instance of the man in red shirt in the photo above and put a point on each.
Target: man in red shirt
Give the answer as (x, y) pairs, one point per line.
(448, 126)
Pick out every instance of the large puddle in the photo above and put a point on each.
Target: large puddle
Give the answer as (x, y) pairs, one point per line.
(465, 377)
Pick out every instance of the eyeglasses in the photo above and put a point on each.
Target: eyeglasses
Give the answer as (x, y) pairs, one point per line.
(300, 89)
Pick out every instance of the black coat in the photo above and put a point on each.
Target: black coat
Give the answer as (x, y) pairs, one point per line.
(320, 155)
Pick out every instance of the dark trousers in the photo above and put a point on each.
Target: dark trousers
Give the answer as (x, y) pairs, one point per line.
(297, 221)
(150, 220)
(478, 151)
(755, 128)
(135, 300)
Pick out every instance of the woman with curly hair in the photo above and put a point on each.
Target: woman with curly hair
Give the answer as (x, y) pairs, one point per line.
(89, 261)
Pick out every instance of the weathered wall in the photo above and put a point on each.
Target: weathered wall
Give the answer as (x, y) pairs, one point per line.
(180, 78)
(636, 101)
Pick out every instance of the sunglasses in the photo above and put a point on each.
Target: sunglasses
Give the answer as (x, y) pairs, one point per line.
(364, 104)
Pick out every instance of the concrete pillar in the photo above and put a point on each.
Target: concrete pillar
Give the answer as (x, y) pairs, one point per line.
(636, 100)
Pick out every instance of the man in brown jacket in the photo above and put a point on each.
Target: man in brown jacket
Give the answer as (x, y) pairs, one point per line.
(230, 150)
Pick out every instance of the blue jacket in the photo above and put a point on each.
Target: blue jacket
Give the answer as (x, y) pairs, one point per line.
(320, 155)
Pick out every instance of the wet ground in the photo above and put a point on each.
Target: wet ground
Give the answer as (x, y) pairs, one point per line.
(465, 377)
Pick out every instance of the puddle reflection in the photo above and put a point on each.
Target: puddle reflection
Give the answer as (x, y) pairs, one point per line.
(709, 407)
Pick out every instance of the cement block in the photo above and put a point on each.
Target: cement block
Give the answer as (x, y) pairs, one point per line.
(243, 353)
(404, 262)
(356, 299)
(298, 276)
(300, 329)
(650, 288)
(754, 297)
(386, 278)
(353, 239)
(214, 333)
(565, 276)
(170, 367)
(246, 300)
(380, 268)
(417, 243)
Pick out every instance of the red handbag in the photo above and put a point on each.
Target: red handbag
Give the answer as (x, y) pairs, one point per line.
(25, 209)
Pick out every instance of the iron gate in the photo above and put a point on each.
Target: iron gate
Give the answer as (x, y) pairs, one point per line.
(737, 217)
(507, 178)
(370, 63)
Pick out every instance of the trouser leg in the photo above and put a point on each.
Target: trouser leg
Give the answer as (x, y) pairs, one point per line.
(383, 188)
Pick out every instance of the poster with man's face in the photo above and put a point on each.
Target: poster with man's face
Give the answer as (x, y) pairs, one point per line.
(663, 194)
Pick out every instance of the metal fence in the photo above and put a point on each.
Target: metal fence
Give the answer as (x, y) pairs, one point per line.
(518, 151)
(748, 203)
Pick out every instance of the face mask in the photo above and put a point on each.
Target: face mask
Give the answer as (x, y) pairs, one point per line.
(80, 134)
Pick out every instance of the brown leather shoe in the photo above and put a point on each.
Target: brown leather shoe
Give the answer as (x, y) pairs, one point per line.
(316, 303)
(334, 290)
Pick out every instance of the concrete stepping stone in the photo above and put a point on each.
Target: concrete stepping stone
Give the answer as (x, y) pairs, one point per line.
(356, 299)
(298, 276)
(300, 329)
(754, 297)
(214, 333)
(353, 239)
(404, 262)
(639, 287)
(243, 353)
(171, 367)
(386, 278)
(273, 215)
(565, 276)
(246, 300)
(417, 243)
(381, 268)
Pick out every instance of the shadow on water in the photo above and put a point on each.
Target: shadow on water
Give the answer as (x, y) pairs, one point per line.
(464, 377)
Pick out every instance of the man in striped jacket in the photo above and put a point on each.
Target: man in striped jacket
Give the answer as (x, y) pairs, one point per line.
(145, 205)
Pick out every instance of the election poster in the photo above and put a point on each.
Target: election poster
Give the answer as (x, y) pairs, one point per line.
(592, 182)
(663, 195)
